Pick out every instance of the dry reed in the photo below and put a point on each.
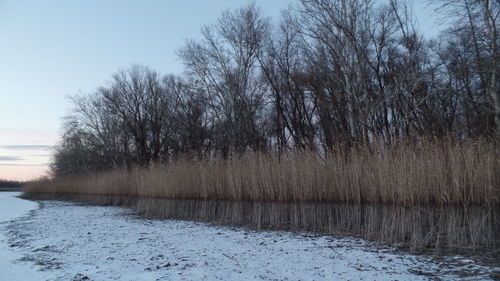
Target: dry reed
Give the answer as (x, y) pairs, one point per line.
(434, 173)
(448, 193)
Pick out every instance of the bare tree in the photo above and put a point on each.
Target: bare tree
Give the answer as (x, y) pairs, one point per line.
(333, 74)
(224, 65)
(191, 127)
(478, 20)
(139, 99)
(284, 68)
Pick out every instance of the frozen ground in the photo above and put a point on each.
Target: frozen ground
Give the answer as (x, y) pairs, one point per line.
(77, 242)
(12, 208)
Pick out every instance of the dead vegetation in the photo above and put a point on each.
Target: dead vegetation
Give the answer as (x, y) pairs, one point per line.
(428, 195)
(437, 173)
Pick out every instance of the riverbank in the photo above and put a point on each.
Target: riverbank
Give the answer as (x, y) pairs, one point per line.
(13, 209)
(78, 241)
(434, 230)
(10, 189)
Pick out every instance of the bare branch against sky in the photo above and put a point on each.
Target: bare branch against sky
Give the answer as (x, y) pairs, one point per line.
(52, 49)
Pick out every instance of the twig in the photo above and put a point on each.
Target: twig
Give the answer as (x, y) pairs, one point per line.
(232, 258)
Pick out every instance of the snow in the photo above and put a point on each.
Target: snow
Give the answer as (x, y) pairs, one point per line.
(78, 242)
(11, 269)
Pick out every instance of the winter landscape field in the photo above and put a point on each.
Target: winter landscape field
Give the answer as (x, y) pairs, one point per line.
(249, 140)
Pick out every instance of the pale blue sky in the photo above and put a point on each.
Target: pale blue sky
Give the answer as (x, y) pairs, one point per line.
(50, 49)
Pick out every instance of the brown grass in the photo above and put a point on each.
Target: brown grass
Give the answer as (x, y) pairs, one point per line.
(429, 172)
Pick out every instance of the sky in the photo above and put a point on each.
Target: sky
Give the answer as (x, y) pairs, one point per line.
(51, 49)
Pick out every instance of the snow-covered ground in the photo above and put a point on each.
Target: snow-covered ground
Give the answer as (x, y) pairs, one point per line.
(12, 208)
(76, 242)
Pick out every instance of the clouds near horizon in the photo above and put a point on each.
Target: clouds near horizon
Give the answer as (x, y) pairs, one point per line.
(24, 162)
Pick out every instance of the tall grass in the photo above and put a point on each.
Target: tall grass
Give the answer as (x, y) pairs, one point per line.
(441, 228)
(429, 195)
(428, 172)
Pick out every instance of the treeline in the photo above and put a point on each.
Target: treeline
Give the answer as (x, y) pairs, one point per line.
(10, 184)
(329, 76)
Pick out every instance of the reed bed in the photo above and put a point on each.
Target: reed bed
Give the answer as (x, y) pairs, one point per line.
(470, 231)
(442, 196)
(445, 228)
(425, 173)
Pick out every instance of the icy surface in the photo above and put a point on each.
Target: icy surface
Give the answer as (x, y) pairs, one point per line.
(11, 269)
(76, 242)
